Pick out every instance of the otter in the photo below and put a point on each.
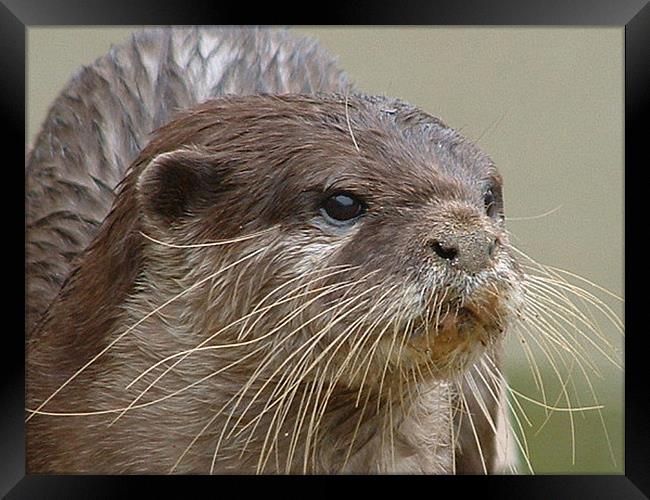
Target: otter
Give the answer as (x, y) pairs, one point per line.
(238, 263)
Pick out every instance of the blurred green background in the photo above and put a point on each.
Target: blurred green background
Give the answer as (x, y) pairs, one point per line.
(547, 105)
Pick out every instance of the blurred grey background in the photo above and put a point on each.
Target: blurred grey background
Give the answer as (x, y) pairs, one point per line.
(547, 105)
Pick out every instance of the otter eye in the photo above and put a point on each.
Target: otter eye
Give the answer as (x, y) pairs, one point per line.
(341, 208)
(489, 200)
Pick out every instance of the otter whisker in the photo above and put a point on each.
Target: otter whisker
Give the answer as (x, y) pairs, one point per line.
(356, 346)
(478, 397)
(368, 360)
(245, 331)
(371, 351)
(494, 382)
(239, 394)
(270, 444)
(439, 311)
(551, 319)
(533, 217)
(302, 414)
(200, 433)
(497, 374)
(553, 279)
(550, 342)
(136, 324)
(368, 330)
(416, 383)
(563, 390)
(452, 416)
(523, 446)
(555, 408)
(417, 368)
(155, 401)
(307, 344)
(532, 363)
(552, 325)
(385, 369)
(595, 398)
(543, 294)
(581, 294)
(319, 412)
(328, 289)
(347, 119)
(294, 386)
(213, 243)
(551, 330)
(187, 353)
(406, 333)
(358, 321)
(338, 342)
(552, 322)
(552, 271)
(473, 428)
(436, 308)
(408, 330)
(283, 405)
(575, 357)
(351, 356)
(312, 436)
(350, 331)
(287, 298)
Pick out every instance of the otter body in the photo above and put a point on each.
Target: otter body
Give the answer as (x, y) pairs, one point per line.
(288, 277)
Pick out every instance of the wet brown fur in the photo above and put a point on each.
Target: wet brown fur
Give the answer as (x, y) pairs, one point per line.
(242, 165)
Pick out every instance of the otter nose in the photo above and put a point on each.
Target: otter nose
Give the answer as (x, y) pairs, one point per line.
(470, 251)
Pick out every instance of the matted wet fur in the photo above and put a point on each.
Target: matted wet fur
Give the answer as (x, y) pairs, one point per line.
(216, 319)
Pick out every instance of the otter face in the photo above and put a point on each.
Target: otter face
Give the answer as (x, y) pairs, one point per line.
(381, 230)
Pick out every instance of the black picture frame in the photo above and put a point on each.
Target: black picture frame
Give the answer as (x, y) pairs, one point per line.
(17, 15)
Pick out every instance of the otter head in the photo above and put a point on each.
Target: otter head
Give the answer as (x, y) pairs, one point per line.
(353, 239)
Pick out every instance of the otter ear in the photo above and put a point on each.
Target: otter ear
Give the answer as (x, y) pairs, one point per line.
(178, 183)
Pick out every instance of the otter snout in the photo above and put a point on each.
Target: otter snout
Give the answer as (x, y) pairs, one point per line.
(470, 251)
